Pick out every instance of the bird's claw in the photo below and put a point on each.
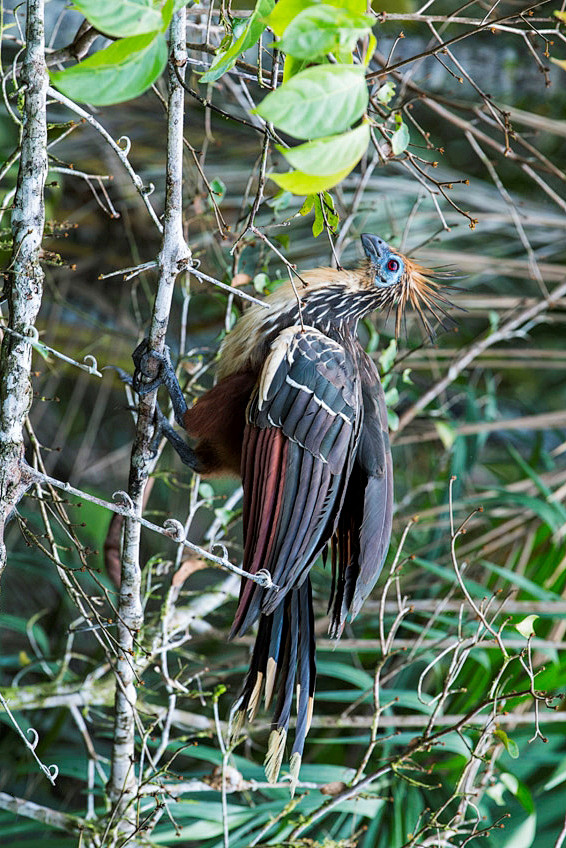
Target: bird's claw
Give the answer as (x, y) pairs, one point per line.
(151, 368)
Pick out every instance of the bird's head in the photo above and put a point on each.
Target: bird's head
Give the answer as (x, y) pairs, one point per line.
(401, 282)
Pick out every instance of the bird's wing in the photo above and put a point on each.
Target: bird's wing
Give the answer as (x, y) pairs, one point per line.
(361, 541)
(299, 443)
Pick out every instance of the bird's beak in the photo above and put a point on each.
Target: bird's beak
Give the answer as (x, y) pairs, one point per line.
(373, 247)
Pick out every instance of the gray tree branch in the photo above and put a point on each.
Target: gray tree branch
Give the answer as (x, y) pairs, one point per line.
(173, 258)
(24, 277)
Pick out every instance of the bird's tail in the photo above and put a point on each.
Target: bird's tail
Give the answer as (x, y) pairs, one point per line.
(284, 654)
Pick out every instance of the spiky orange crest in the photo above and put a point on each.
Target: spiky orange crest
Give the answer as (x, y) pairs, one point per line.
(418, 288)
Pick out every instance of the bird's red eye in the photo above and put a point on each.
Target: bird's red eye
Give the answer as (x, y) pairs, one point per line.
(392, 265)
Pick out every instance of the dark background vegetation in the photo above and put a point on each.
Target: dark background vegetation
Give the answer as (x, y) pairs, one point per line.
(517, 472)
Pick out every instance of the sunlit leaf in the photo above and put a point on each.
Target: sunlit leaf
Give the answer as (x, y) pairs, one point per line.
(318, 223)
(329, 155)
(299, 183)
(318, 30)
(122, 71)
(386, 92)
(261, 281)
(526, 626)
(293, 66)
(286, 10)
(400, 138)
(370, 50)
(320, 101)
(307, 205)
(510, 745)
(446, 433)
(122, 18)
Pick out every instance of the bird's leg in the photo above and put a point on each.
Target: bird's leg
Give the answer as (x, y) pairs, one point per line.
(147, 377)
(182, 449)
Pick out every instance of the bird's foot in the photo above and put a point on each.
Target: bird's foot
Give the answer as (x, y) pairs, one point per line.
(151, 369)
(162, 427)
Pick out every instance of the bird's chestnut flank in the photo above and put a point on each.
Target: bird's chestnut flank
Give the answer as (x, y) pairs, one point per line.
(299, 412)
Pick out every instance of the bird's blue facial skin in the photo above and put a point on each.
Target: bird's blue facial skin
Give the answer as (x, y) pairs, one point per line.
(387, 265)
(389, 269)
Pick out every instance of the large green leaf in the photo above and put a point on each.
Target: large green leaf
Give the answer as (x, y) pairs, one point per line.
(320, 101)
(122, 17)
(122, 71)
(521, 581)
(522, 836)
(298, 182)
(254, 28)
(326, 156)
(318, 30)
(286, 10)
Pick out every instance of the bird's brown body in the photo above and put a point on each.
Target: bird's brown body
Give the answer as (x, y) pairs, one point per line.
(298, 410)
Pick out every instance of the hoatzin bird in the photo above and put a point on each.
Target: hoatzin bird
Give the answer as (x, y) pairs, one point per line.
(299, 412)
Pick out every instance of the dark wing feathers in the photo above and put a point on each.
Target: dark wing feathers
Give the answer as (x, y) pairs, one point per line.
(361, 541)
(316, 466)
(300, 440)
(375, 533)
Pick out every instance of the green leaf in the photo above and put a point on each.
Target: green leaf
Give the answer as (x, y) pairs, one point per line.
(551, 512)
(446, 433)
(318, 30)
(218, 188)
(523, 836)
(307, 205)
(324, 211)
(283, 14)
(526, 626)
(521, 581)
(261, 281)
(122, 17)
(280, 201)
(122, 71)
(206, 491)
(391, 396)
(167, 13)
(387, 358)
(299, 183)
(328, 155)
(510, 746)
(519, 790)
(370, 50)
(318, 223)
(286, 10)
(386, 92)
(400, 138)
(293, 66)
(320, 101)
(356, 676)
(255, 26)
(332, 215)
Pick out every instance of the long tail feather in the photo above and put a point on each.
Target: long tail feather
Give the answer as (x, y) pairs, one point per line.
(307, 675)
(284, 652)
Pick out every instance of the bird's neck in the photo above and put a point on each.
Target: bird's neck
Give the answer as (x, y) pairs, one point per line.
(334, 309)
